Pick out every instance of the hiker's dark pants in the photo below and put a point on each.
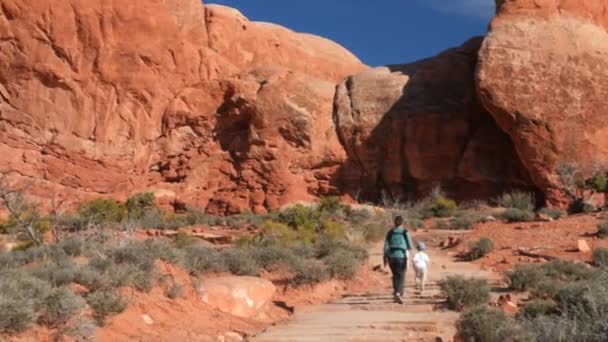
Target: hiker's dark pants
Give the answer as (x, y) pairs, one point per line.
(398, 267)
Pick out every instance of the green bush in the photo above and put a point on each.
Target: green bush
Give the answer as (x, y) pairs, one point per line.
(512, 215)
(537, 308)
(138, 204)
(524, 277)
(465, 221)
(331, 204)
(104, 304)
(554, 213)
(267, 256)
(485, 324)
(279, 232)
(597, 183)
(579, 205)
(342, 264)
(240, 262)
(374, 232)
(200, 260)
(332, 229)
(602, 230)
(21, 299)
(300, 217)
(441, 206)
(479, 249)
(600, 257)
(462, 292)
(60, 306)
(103, 211)
(309, 271)
(56, 274)
(517, 200)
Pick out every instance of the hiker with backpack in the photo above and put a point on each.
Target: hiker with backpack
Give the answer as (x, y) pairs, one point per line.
(397, 245)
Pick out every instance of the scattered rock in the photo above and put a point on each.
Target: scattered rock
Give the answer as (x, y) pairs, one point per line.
(489, 218)
(147, 319)
(247, 297)
(583, 246)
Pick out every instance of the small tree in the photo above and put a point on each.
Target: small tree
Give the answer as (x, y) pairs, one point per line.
(25, 218)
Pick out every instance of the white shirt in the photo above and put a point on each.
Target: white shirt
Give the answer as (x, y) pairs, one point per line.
(421, 260)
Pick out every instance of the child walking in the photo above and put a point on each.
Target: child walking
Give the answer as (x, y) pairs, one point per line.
(421, 263)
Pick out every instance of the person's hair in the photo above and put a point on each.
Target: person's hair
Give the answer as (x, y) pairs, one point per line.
(398, 220)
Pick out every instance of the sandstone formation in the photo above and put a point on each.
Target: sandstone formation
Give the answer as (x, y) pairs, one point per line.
(107, 98)
(246, 297)
(409, 127)
(542, 73)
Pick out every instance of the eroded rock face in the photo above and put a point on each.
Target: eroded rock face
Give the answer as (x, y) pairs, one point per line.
(542, 73)
(409, 127)
(107, 98)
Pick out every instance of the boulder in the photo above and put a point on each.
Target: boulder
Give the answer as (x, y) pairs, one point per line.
(408, 127)
(541, 74)
(583, 246)
(247, 297)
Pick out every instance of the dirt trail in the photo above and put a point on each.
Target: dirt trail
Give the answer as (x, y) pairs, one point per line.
(374, 316)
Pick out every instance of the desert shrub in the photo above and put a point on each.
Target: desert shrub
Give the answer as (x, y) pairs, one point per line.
(103, 211)
(462, 292)
(279, 232)
(438, 205)
(585, 300)
(523, 201)
(567, 271)
(133, 253)
(512, 215)
(600, 257)
(441, 224)
(579, 205)
(479, 249)
(598, 183)
(332, 229)
(524, 277)
(138, 204)
(414, 223)
(80, 330)
(16, 314)
(327, 246)
(198, 260)
(240, 262)
(554, 213)
(464, 221)
(309, 271)
(104, 304)
(300, 217)
(602, 230)
(59, 306)
(342, 265)
(73, 247)
(21, 299)
(485, 324)
(330, 204)
(537, 308)
(183, 240)
(374, 232)
(56, 274)
(269, 255)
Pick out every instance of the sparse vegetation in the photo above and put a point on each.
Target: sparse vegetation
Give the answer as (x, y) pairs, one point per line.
(602, 230)
(139, 204)
(600, 257)
(553, 213)
(485, 324)
(462, 292)
(517, 200)
(439, 205)
(464, 221)
(59, 306)
(479, 249)
(512, 215)
(104, 304)
(103, 211)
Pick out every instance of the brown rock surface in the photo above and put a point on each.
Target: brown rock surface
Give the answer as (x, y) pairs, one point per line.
(246, 297)
(408, 127)
(112, 97)
(542, 71)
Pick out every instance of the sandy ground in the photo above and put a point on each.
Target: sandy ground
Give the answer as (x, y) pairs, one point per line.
(373, 316)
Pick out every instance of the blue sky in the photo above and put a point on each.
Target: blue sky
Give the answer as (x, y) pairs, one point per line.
(378, 31)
